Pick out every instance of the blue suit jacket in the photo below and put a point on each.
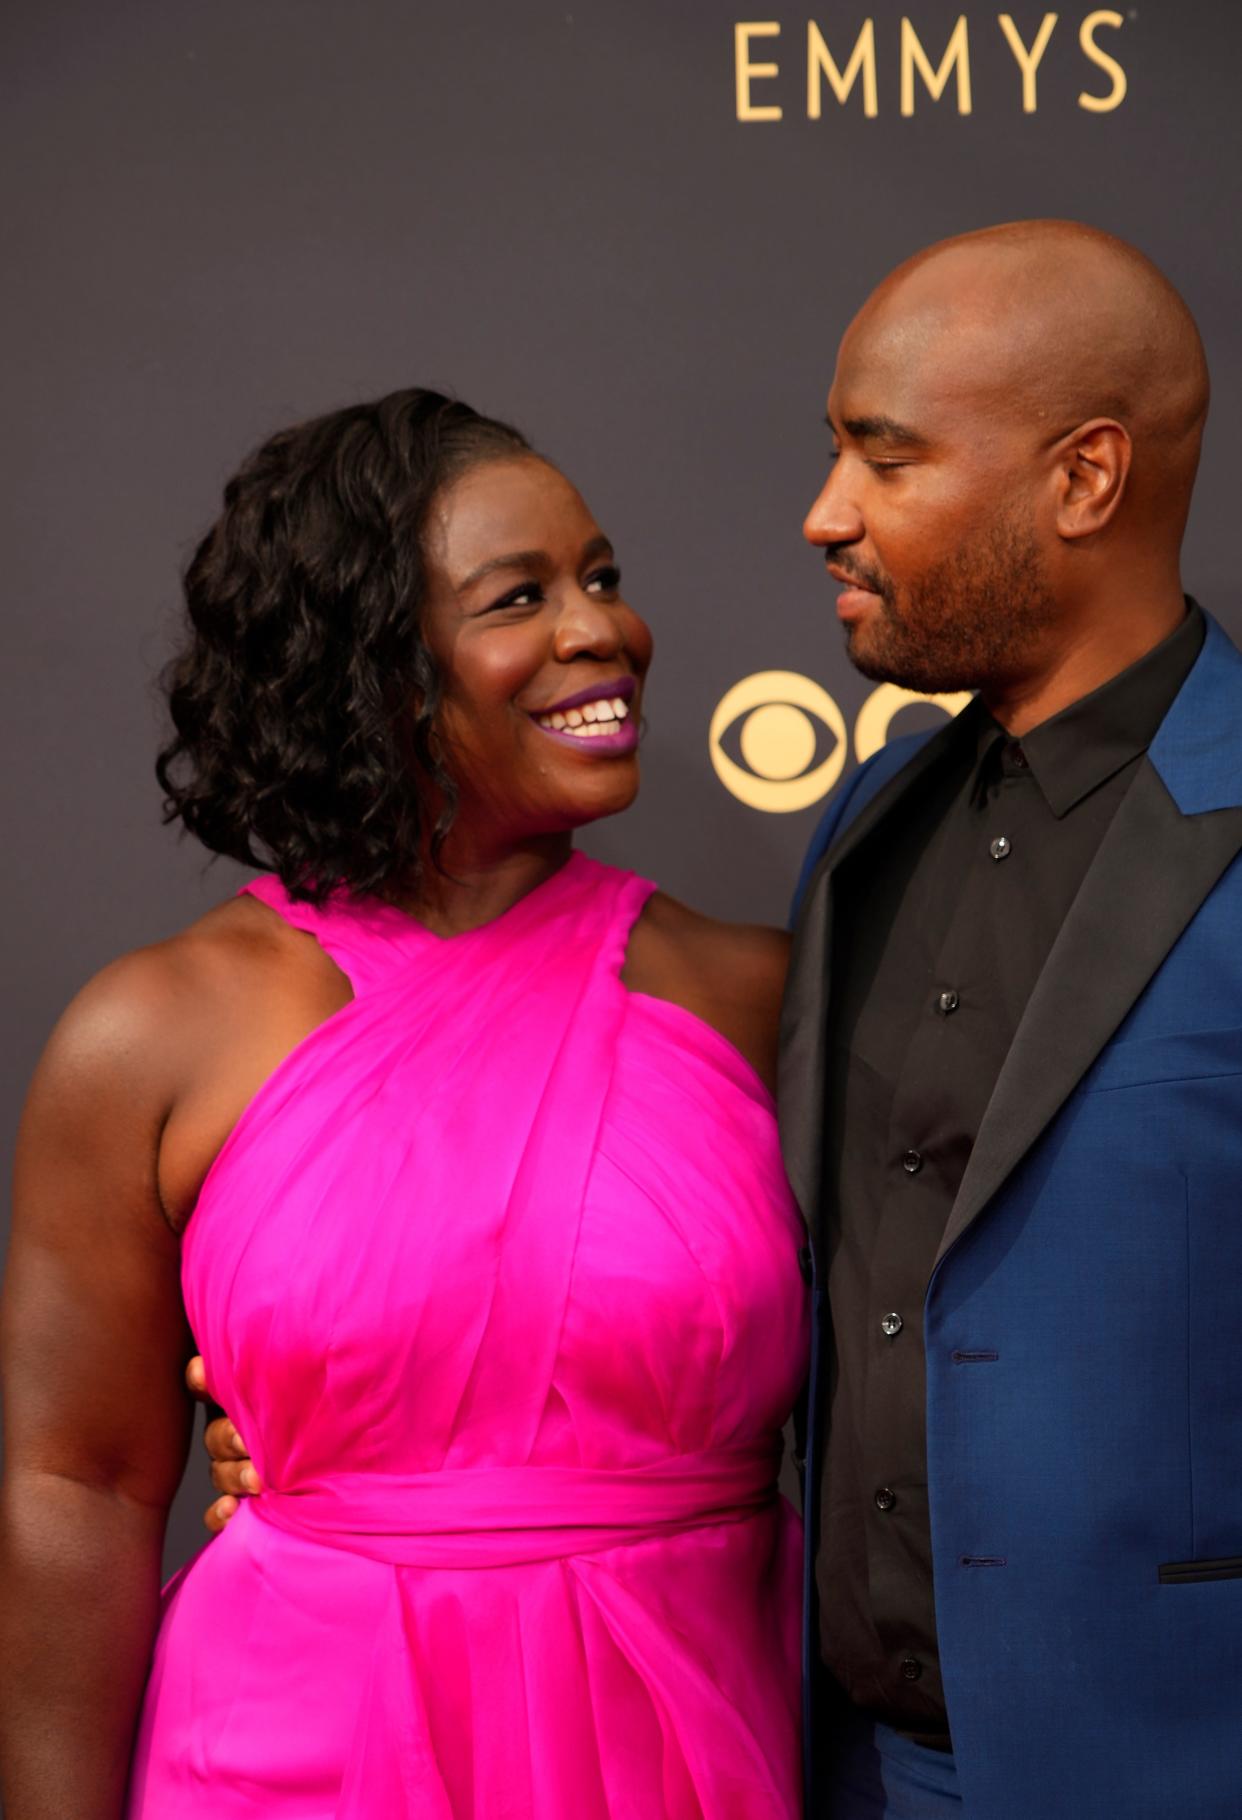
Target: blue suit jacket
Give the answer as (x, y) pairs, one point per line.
(1083, 1322)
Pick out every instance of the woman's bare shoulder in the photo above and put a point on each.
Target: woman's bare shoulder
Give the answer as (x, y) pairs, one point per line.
(731, 975)
(135, 1023)
(754, 955)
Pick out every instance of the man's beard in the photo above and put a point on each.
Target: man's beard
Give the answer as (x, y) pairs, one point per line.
(969, 622)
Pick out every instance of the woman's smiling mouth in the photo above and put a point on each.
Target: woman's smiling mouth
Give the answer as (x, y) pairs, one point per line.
(598, 718)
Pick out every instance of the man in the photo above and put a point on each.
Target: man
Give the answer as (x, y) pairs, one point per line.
(1011, 1086)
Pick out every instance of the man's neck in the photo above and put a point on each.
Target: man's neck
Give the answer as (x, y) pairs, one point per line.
(1093, 658)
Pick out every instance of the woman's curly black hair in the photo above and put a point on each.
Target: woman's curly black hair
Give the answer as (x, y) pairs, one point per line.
(304, 697)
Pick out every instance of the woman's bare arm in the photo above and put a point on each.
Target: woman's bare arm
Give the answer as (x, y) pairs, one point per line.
(97, 1421)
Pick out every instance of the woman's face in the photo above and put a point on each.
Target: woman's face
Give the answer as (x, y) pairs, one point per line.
(542, 659)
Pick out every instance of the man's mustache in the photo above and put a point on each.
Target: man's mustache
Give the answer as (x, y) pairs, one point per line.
(871, 579)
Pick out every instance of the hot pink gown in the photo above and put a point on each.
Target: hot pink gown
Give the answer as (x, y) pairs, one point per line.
(498, 1276)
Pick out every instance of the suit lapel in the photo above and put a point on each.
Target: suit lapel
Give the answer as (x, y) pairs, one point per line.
(1175, 833)
(804, 1015)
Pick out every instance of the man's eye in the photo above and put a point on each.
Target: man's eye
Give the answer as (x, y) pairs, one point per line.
(604, 581)
(885, 468)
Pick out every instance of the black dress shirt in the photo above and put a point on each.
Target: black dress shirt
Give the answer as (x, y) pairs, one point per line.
(943, 919)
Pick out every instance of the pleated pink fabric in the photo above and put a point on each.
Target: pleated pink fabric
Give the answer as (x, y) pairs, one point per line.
(498, 1276)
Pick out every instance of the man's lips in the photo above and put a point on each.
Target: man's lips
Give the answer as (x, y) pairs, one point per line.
(854, 582)
(857, 598)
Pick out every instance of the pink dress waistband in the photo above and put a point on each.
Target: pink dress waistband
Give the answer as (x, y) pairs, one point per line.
(501, 1515)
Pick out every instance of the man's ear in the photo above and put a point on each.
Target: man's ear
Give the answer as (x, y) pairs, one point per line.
(1093, 465)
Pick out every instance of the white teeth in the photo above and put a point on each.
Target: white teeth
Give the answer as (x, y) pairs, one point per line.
(591, 721)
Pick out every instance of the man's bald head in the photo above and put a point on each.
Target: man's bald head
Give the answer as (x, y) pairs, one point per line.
(1019, 413)
(1056, 323)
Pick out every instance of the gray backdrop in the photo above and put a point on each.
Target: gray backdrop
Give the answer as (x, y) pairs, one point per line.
(220, 218)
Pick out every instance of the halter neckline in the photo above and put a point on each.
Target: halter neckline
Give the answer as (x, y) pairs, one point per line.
(372, 915)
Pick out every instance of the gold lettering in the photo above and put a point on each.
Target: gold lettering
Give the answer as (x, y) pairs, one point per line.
(1028, 61)
(820, 63)
(1102, 104)
(746, 72)
(957, 53)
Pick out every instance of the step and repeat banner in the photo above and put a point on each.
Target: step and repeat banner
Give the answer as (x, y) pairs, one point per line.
(637, 229)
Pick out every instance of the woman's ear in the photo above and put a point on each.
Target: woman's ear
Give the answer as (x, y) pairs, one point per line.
(1092, 469)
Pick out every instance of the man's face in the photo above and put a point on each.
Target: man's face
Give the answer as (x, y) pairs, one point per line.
(930, 513)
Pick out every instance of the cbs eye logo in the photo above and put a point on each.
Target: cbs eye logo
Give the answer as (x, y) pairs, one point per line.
(790, 737)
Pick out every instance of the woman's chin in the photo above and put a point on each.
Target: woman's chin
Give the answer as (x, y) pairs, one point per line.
(609, 792)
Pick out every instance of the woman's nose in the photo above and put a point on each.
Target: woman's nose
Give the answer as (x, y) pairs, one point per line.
(588, 625)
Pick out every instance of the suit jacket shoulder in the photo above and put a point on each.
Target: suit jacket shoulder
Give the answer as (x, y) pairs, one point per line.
(864, 784)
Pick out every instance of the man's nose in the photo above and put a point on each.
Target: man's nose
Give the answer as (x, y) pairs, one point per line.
(833, 518)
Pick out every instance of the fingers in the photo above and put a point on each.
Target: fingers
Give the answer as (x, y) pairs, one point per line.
(223, 1442)
(232, 1470)
(232, 1473)
(218, 1514)
(236, 1480)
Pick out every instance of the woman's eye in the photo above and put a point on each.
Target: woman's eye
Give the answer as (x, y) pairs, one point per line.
(605, 581)
(529, 594)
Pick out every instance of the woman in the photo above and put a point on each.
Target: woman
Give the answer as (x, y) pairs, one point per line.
(461, 1147)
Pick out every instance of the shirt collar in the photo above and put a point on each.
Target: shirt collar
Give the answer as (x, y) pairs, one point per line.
(1077, 750)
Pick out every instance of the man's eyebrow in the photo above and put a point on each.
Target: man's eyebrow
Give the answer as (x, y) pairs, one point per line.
(531, 559)
(881, 429)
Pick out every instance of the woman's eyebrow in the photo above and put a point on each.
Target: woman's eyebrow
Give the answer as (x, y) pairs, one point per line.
(516, 559)
(531, 559)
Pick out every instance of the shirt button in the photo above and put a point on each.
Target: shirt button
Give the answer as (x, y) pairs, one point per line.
(884, 1498)
(947, 1003)
(1000, 847)
(891, 1325)
(1019, 758)
(911, 1668)
(912, 1162)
